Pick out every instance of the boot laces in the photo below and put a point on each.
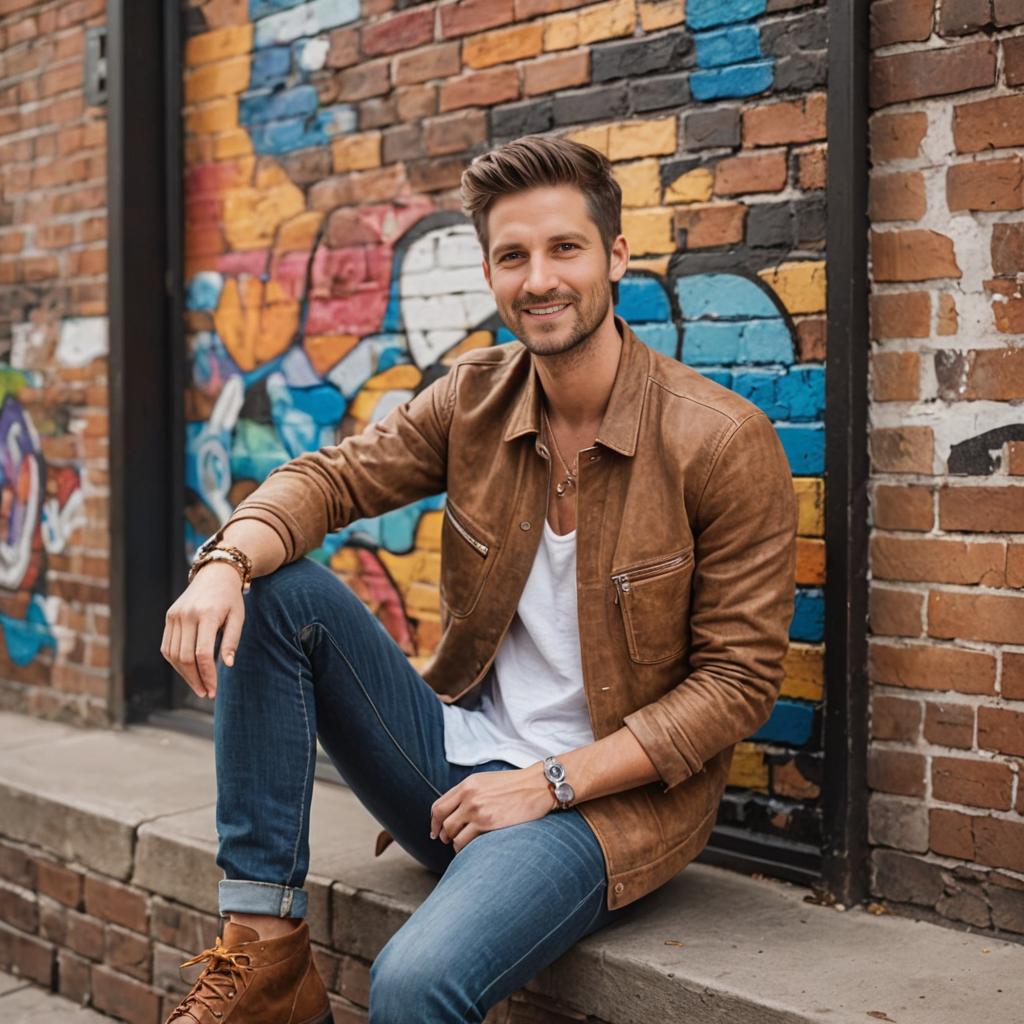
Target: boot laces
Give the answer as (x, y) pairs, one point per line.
(222, 977)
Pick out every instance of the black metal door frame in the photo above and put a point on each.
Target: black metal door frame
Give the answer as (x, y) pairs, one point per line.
(147, 374)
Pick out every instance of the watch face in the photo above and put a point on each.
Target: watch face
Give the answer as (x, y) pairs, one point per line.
(555, 772)
(564, 792)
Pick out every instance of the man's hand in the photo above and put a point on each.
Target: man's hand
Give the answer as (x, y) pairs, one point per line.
(212, 601)
(488, 800)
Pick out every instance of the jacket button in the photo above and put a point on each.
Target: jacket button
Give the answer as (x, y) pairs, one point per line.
(619, 888)
(525, 525)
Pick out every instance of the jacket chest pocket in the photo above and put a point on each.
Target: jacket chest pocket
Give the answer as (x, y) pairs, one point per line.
(654, 599)
(466, 559)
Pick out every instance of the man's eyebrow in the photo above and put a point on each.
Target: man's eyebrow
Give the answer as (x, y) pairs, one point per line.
(568, 236)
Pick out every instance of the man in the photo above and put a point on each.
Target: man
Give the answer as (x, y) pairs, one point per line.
(617, 584)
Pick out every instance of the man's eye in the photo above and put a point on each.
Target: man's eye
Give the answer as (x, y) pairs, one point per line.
(510, 256)
(570, 245)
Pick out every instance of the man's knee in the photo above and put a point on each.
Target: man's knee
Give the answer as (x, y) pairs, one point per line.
(410, 981)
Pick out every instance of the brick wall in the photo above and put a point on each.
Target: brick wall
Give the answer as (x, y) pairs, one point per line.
(53, 343)
(947, 455)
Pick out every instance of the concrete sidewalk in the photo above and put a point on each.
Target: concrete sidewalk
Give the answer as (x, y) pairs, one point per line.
(21, 1002)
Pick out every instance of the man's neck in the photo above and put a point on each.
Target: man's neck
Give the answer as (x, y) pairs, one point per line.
(578, 383)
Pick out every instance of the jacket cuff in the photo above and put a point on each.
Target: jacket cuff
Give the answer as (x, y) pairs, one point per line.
(661, 746)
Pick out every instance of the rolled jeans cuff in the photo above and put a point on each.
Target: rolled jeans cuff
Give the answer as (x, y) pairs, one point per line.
(240, 896)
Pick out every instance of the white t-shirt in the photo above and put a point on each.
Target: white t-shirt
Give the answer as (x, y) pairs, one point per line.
(531, 704)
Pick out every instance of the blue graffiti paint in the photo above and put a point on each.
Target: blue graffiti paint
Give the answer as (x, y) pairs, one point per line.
(270, 66)
(709, 13)
(808, 615)
(309, 19)
(718, 295)
(255, 450)
(733, 82)
(798, 395)
(663, 338)
(274, 138)
(264, 105)
(203, 291)
(715, 342)
(25, 638)
(804, 444)
(642, 299)
(728, 46)
(791, 722)
(395, 530)
(261, 8)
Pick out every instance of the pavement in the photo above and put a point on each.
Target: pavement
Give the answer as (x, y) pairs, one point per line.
(21, 1002)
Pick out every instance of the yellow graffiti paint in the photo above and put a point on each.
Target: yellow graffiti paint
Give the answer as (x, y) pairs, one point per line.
(693, 187)
(748, 769)
(799, 286)
(804, 666)
(810, 496)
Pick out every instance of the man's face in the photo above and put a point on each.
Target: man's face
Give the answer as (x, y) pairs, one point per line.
(548, 269)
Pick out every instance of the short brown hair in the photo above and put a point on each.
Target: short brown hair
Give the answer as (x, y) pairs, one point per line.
(541, 160)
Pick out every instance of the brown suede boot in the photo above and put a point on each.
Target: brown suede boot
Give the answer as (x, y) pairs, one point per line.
(249, 980)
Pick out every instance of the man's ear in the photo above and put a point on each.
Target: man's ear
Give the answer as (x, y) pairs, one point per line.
(487, 272)
(619, 258)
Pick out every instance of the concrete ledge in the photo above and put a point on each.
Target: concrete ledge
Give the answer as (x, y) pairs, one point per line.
(711, 947)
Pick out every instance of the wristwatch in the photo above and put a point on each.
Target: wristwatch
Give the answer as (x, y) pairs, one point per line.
(554, 772)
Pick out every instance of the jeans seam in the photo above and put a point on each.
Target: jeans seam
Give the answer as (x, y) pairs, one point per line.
(369, 700)
(543, 938)
(305, 779)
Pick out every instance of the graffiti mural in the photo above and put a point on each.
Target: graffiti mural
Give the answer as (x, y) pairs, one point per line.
(320, 295)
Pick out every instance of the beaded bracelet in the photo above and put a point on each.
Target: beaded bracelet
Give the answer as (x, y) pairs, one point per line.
(237, 558)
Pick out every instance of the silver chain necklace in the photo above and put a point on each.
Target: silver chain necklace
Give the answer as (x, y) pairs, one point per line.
(570, 474)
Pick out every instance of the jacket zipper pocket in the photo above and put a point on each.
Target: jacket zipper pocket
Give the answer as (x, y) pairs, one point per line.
(624, 580)
(479, 546)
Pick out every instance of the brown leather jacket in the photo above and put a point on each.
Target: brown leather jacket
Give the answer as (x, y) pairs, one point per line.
(686, 547)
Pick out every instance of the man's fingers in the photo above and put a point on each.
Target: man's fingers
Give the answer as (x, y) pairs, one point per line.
(206, 634)
(466, 835)
(187, 656)
(232, 633)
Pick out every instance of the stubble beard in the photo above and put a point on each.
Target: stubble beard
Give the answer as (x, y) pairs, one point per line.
(540, 341)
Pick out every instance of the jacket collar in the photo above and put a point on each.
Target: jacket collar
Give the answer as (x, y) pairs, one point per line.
(621, 422)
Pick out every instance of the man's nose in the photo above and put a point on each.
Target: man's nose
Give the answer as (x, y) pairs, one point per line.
(541, 279)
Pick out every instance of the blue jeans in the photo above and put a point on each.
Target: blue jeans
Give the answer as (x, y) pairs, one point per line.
(314, 662)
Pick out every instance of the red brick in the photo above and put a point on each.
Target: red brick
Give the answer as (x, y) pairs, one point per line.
(1008, 311)
(811, 339)
(932, 667)
(436, 174)
(1013, 60)
(902, 449)
(932, 72)
(912, 255)
(973, 783)
(467, 16)
(900, 315)
(343, 51)
(560, 71)
(778, 124)
(993, 373)
(950, 833)
(431, 62)
(370, 78)
(128, 952)
(480, 89)
(1008, 247)
(27, 955)
(896, 612)
(812, 168)
(900, 21)
(999, 842)
(898, 196)
(116, 903)
(903, 508)
(124, 997)
(455, 133)
(896, 771)
(1008, 12)
(1002, 730)
(1015, 466)
(996, 123)
(60, 883)
(962, 17)
(894, 718)
(993, 618)
(713, 224)
(85, 935)
(355, 981)
(949, 725)
(895, 377)
(982, 509)
(74, 980)
(19, 908)
(986, 185)
(938, 560)
(402, 31)
(1013, 676)
(761, 172)
(16, 865)
(415, 102)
